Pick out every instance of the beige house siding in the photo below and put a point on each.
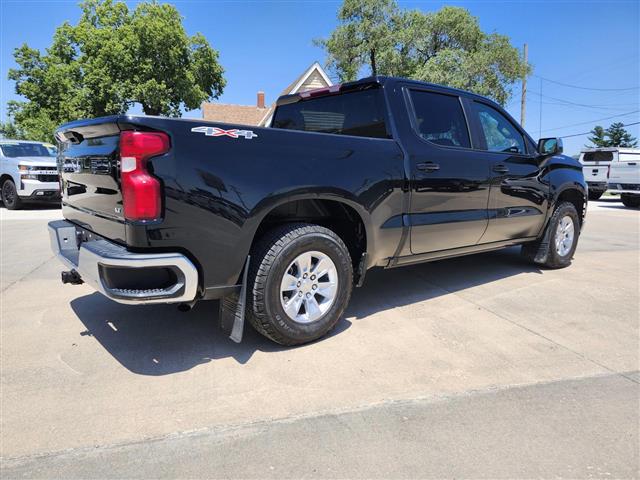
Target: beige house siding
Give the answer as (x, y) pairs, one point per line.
(315, 80)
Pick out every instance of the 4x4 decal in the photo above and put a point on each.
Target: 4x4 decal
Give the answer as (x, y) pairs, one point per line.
(219, 132)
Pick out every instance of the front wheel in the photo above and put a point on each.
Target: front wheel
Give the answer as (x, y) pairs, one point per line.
(631, 201)
(10, 195)
(556, 247)
(300, 283)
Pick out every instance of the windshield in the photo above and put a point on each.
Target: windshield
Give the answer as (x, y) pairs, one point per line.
(20, 149)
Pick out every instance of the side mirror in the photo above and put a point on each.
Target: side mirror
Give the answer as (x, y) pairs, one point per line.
(549, 146)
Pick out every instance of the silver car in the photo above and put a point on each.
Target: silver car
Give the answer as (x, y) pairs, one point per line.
(28, 173)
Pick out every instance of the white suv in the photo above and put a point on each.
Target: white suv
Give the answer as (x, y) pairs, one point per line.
(28, 172)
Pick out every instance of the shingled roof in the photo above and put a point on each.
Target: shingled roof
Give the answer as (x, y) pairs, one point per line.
(312, 77)
(229, 113)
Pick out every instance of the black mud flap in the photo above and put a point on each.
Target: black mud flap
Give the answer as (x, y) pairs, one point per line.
(362, 270)
(232, 309)
(543, 248)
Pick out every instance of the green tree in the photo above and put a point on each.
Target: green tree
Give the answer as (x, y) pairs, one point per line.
(111, 59)
(363, 37)
(446, 47)
(619, 137)
(10, 131)
(614, 136)
(598, 137)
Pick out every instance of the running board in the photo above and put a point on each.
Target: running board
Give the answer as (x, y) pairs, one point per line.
(455, 252)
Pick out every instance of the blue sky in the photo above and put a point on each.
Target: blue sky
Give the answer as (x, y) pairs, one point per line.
(265, 44)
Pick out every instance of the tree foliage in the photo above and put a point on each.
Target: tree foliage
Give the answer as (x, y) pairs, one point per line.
(446, 47)
(597, 137)
(111, 59)
(614, 136)
(9, 130)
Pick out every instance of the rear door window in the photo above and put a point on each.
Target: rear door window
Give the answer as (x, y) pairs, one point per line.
(359, 113)
(440, 119)
(629, 157)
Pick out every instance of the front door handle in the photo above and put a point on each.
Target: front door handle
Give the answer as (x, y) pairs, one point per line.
(428, 167)
(500, 168)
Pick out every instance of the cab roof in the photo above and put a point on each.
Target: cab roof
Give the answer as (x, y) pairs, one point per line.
(372, 82)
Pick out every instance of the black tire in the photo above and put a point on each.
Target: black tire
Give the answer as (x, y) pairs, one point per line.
(270, 258)
(629, 200)
(595, 195)
(543, 251)
(10, 197)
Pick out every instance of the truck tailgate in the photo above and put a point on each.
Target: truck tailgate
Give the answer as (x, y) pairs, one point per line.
(88, 162)
(594, 173)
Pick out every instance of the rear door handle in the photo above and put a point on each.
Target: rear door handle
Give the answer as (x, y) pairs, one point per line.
(500, 168)
(428, 167)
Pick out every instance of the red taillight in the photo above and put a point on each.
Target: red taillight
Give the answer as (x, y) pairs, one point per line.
(140, 190)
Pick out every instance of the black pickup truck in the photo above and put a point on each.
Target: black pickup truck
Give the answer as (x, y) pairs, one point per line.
(282, 222)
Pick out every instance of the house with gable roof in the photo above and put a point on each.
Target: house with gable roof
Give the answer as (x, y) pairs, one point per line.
(260, 114)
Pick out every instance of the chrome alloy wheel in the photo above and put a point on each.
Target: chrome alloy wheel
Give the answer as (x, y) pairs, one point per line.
(309, 287)
(564, 236)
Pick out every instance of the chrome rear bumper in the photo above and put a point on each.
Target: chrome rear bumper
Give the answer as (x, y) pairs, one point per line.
(99, 262)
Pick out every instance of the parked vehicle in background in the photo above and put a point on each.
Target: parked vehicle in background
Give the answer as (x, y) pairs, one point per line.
(53, 150)
(595, 166)
(282, 222)
(624, 177)
(28, 173)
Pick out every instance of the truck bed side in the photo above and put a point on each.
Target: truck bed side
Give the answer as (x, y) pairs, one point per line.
(217, 189)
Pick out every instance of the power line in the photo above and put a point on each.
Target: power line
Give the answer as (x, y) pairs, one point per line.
(598, 109)
(587, 88)
(587, 133)
(567, 102)
(590, 121)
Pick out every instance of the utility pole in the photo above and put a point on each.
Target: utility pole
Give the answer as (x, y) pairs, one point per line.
(523, 100)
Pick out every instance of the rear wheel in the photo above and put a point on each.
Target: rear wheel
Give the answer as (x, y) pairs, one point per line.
(561, 234)
(631, 201)
(10, 195)
(300, 283)
(595, 195)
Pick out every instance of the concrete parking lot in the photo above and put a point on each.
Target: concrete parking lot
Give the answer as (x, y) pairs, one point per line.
(482, 366)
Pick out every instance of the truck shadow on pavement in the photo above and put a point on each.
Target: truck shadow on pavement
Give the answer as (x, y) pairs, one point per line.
(387, 289)
(160, 340)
